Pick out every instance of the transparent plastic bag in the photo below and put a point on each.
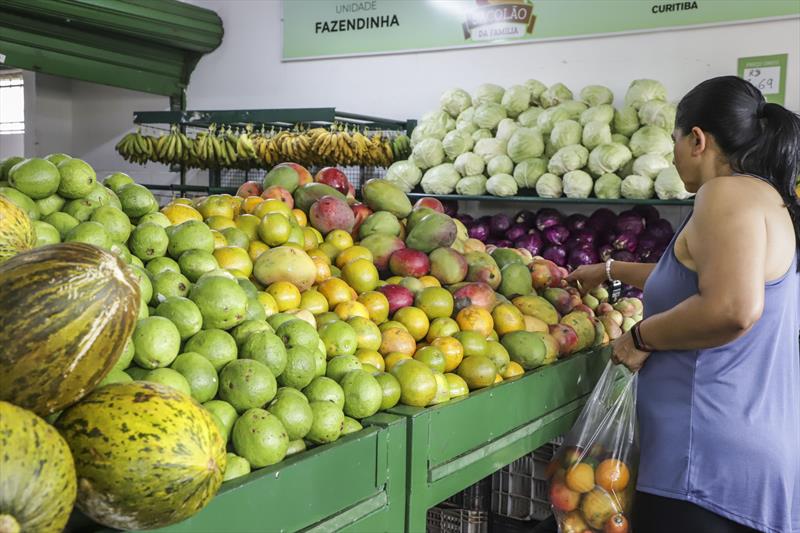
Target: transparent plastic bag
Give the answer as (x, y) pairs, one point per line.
(593, 474)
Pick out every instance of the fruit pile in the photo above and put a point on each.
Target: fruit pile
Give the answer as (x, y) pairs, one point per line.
(227, 148)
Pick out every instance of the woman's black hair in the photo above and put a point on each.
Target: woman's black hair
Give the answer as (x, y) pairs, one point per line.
(757, 137)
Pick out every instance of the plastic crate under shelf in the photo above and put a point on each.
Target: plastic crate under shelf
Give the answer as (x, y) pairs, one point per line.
(477, 497)
(446, 518)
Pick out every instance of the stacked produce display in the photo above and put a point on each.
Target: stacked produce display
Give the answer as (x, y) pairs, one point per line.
(189, 344)
(531, 139)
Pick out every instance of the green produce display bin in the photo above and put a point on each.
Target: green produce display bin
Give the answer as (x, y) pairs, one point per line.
(453, 445)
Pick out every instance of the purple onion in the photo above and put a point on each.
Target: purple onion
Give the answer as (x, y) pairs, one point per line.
(630, 221)
(465, 218)
(602, 220)
(585, 236)
(605, 251)
(576, 222)
(605, 237)
(632, 292)
(645, 247)
(623, 255)
(479, 231)
(548, 217)
(504, 243)
(626, 241)
(532, 241)
(515, 232)
(648, 212)
(450, 207)
(556, 254)
(499, 224)
(526, 218)
(491, 240)
(582, 256)
(557, 235)
(661, 229)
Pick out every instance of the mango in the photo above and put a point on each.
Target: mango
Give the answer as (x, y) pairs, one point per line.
(482, 268)
(417, 215)
(305, 196)
(382, 247)
(506, 256)
(380, 222)
(448, 266)
(516, 280)
(583, 326)
(478, 294)
(560, 299)
(434, 231)
(537, 307)
(382, 195)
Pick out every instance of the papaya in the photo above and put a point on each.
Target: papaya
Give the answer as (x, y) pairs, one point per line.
(69, 311)
(436, 230)
(146, 455)
(37, 485)
(382, 195)
(16, 230)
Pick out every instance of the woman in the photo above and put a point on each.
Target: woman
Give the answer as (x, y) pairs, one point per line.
(719, 368)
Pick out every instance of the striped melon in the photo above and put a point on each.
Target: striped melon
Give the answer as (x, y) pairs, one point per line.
(37, 474)
(16, 230)
(146, 455)
(68, 310)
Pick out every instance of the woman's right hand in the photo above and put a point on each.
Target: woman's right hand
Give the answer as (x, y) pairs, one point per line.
(587, 277)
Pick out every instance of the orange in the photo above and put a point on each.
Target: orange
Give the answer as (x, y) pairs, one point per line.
(513, 370)
(397, 340)
(256, 248)
(350, 309)
(304, 315)
(250, 203)
(498, 378)
(237, 273)
(452, 350)
(330, 250)
(474, 318)
(432, 357)
(216, 206)
(180, 212)
(317, 234)
(394, 280)
(368, 335)
(313, 301)
(371, 357)
(353, 253)
(286, 295)
(319, 254)
(268, 303)
(442, 327)
(300, 217)
(323, 270)
(234, 258)
(220, 223)
(340, 239)
(235, 202)
(580, 478)
(612, 475)
(183, 201)
(271, 205)
(274, 229)
(362, 275)
(392, 324)
(430, 281)
(219, 239)
(414, 320)
(309, 239)
(377, 304)
(507, 319)
(393, 358)
(435, 302)
(249, 225)
(335, 291)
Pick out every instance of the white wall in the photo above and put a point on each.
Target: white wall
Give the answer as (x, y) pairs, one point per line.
(12, 144)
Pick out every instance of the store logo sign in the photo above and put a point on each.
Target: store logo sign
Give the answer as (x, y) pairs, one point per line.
(499, 19)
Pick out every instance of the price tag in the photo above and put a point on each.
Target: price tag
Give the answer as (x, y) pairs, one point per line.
(767, 73)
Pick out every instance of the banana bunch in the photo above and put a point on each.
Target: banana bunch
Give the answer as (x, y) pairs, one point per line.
(401, 147)
(137, 148)
(173, 148)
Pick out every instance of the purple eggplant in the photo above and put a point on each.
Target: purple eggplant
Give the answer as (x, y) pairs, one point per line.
(582, 256)
(499, 224)
(630, 221)
(480, 231)
(526, 218)
(548, 217)
(648, 212)
(602, 220)
(557, 235)
(531, 241)
(626, 241)
(623, 255)
(556, 254)
(605, 251)
(576, 222)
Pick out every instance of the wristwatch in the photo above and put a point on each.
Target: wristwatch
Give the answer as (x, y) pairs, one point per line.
(614, 285)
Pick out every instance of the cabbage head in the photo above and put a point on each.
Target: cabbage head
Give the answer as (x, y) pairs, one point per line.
(467, 127)
(516, 99)
(620, 138)
(488, 93)
(488, 148)
(649, 165)
(565, 133)
(524, 144)
(479, 134)
(608, 158)
(428, 153)
(658, 113)
(549, 186)
(554, 95)
(528, 118)
(454, 101)
(572, 157)
(549, 149)
(651, 140)
(488, 116)
(499, 164)
(594, 95)
(471, 185)
(595, 134)
(404, 174)
(536, 88)
(501, 185)
(456, 143)
(528, 172)
(626, 121)
(600, 113)
(469, 164)
(427, 130)
(465, 116)
(636, 187)
(577, 184)
(641, 91)
(550, 117)
(440, 179)
(506, 127)
(441, 117)
(573, 108)
(669, 185)
(608, 187)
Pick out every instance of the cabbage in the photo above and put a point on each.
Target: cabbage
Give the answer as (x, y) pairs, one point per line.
(501, 185)
(404, 174)
(465, 116)
(608, 187)
(550, 117)
(441, 118)
(577, 184)
(506, 127)
(469, 164)
(669, 185)
(549, 186)
(658, 113)
(649, 165)
(608, 158)
(572, 157)
(440, 179)
(500, 164)
(549, 148)
(454, 101)
(528, 172)
(427, 130)
(529, 117)
(626, 121)
(489, 115)
(488, 93)
(601, 113)
(595, 134)
(467, 127)
(636, 187)
(554, 95)
(428, 153)
(641, 91)
(536, 88)
(620, 138)
(456, 143)
(626, 169)
(573, 108)
(651, 140)
(524, 144)
(479, 134)
(565, 133)
(488, 148)
(595, 95)
(516, 99)
(471, 185)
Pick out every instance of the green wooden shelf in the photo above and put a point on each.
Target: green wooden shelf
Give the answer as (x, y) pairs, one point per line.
(540, 200)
